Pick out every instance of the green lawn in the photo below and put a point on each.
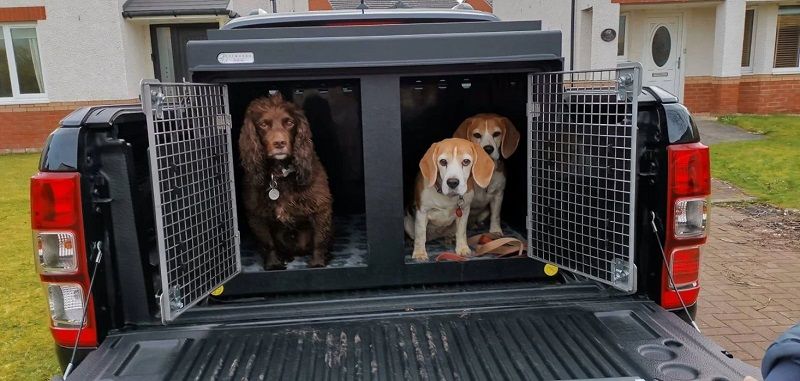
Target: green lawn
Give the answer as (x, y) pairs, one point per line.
(769, 168)
(27, 347)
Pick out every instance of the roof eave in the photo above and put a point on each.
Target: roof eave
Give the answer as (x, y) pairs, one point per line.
(180, 12)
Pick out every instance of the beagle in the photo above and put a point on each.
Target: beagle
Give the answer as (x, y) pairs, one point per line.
(443, 193)
(497, 136)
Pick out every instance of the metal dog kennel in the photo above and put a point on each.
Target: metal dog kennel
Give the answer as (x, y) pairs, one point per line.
(376, 97)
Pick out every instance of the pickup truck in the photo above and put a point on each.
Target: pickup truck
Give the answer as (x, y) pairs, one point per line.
(150, 274)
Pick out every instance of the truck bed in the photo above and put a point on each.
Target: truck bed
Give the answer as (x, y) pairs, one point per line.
(458, 335)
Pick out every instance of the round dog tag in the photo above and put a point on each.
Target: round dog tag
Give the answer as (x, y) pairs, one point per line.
(274, 194)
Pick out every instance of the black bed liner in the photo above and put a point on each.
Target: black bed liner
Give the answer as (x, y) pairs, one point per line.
(581, 339)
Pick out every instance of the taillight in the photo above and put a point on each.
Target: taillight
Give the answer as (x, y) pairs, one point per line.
(55, 252)
(60, 255)
(689, 185)
(685, 267)
(690, 218)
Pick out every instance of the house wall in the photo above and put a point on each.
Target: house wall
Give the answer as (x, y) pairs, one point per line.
(83, 58)
(243, 7)
(699, 26)
(555, 15)
(75, 66)
(592, 16)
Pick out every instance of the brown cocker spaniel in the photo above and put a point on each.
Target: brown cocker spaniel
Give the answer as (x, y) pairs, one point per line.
(286, 195)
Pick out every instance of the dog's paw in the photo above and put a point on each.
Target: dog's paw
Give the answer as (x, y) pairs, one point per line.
(272, 262)
(463, 250)
(316, 262)
(274, 265)
(496, 229)
(420, 255)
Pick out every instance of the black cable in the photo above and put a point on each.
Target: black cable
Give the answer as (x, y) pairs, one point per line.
(669, 270)
(97, 259)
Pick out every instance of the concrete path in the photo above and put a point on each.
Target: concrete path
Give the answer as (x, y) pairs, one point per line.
(713, 132)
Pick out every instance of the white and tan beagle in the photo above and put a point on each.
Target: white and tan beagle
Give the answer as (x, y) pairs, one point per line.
(497, 136)
(444, 191)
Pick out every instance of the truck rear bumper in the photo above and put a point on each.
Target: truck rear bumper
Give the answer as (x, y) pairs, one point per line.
(597, 339)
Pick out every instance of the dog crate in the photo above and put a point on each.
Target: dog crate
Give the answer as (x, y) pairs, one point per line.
(376, 98)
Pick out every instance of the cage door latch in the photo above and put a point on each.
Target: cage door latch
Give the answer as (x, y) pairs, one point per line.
(624, 86)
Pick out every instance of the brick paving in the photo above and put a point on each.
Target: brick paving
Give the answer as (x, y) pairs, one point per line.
(750, 284)
(750, 287)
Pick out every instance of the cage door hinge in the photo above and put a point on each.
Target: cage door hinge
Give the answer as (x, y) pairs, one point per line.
(621, 271)
(534, 109)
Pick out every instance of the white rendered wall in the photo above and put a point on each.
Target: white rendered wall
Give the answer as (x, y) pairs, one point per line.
(591, 17)
(82, 50)
(766, 24)
(728, 33)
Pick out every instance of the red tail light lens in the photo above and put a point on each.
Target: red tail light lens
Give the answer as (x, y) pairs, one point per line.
(685, 267)
(55, 200)
(689, 176)
(60, 255)
(689, 170)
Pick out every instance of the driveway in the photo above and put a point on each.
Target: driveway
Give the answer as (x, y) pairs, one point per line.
(749, 266)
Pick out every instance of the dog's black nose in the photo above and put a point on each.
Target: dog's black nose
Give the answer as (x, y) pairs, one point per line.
(488, 149)
(279, 144)
(452, 183)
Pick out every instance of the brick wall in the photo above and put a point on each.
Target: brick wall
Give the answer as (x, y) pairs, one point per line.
(767, 94)
(754, 94)
(26, 126)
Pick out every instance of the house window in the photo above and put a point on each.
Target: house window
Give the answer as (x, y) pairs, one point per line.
(747, 46)
(20, 65)
(623, 26)
(169, 49)
(787, 42)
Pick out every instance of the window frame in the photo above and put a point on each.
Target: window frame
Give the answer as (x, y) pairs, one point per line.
(753, 37)
(16, 97)
(782, 70)
(626, 43)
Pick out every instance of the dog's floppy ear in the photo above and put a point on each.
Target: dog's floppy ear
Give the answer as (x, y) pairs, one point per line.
(463, 130)
(510, 138)
(302, 147)
(428, 165)
(251, 150)
(483, 168)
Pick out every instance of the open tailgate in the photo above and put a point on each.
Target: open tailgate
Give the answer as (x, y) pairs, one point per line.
(618, 337)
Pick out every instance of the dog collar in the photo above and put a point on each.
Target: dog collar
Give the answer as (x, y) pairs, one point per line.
(459, 203)
(273, 193)
(284, 172)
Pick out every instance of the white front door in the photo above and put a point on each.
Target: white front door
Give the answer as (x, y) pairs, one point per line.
(662, 54)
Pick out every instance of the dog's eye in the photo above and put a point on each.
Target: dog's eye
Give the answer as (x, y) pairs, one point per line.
(476, 135)
(290, 123)
(496, 134)
(465, 162)
(443, 162)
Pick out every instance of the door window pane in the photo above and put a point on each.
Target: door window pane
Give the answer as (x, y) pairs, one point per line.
(26, 55)
(165, 59)
(661, 46)
(5, 76)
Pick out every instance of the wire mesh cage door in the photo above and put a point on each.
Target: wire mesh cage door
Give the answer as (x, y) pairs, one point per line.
(191, 166)
(582, 172)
